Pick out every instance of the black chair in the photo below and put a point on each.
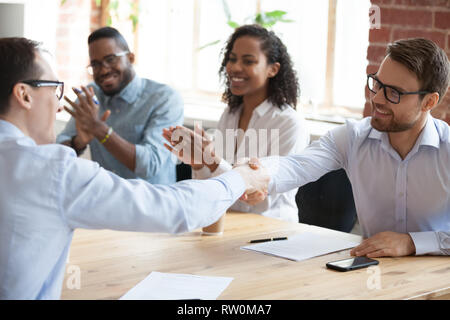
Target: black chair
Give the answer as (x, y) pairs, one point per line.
(183, 172)
(328, 202)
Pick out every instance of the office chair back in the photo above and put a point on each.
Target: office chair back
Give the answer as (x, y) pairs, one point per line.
(328, 202)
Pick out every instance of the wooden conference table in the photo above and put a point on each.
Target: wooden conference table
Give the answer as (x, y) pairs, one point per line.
(112, 262)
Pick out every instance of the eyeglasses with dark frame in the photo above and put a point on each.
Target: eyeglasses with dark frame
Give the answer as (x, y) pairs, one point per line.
(107, 61)
(390, 93)
(47, 83)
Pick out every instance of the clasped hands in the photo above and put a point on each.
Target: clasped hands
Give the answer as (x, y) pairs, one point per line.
(196, 148)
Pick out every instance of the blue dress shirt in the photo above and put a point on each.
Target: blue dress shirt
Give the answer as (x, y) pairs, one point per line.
(405, 196)
(138, 114)
(46, 192)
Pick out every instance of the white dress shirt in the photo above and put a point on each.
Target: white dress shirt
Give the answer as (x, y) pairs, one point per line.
(405, 196)
(274, 131)
(46, 192)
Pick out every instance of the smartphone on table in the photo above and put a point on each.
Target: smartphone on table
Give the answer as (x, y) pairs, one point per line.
(351, 264)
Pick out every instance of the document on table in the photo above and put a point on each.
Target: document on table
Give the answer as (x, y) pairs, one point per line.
(302, 246)
(173, 286)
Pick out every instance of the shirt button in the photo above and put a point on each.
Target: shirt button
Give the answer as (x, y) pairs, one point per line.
(401, 194)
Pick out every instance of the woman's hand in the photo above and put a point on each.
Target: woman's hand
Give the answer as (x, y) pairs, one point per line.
(194, 148)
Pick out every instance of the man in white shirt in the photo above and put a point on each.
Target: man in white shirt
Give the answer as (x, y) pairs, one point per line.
(46, 191)
(397, 160)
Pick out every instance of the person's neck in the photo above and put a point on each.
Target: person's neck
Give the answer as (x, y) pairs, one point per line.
(250, 103)
(18, 124)
(404, 141)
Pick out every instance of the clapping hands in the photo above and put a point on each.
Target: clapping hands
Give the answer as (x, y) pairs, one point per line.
(194, 148)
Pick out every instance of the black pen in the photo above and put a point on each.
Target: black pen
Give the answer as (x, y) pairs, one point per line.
(269, 239)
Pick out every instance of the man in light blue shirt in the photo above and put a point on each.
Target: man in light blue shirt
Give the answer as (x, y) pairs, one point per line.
(398, 160)
(134, 109)
(46, 191)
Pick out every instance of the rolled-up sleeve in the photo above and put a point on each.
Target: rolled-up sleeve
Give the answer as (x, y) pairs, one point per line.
(150, 151)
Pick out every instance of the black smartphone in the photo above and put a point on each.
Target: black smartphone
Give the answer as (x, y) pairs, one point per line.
(351, 264)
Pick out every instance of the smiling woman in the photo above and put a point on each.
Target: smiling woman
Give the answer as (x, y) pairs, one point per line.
(261, 93)
(262, 58)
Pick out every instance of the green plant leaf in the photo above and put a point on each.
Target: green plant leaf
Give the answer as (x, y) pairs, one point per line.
(114, 5)
(269, 25)
(98, 3)
(213, 43)
(259, 19)
(233, 24)
(135, 20)
(275, 14)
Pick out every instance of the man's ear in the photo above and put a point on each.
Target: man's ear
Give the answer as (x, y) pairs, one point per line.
(430, 101)
(273, 69)
(21, 93)
(131, 57)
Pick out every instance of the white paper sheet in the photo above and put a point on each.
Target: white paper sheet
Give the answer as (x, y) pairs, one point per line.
(173, 286)
(302, 246)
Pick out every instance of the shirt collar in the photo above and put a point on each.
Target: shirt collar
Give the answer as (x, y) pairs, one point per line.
(262, 109)
(8, 129)
(428, 137)
(132, 90)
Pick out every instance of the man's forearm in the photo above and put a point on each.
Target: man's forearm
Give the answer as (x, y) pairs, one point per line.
(120, 148)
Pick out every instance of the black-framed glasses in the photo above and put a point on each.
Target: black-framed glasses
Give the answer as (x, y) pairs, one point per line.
(47, 83)
(107, 61)
(390, 93)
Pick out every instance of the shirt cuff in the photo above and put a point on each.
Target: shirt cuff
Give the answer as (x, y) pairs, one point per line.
(203, 173)
(425, 242)
(234, 182)
(222, 168)
(271, 164)
(142, 157)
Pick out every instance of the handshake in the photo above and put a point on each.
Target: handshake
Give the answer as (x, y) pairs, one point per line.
(196, 148)
(256, 178)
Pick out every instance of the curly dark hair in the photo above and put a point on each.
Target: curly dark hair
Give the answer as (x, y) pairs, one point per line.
(283, 87)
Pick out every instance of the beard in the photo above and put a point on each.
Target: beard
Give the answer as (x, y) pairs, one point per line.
(127, 75)
(392, 124)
